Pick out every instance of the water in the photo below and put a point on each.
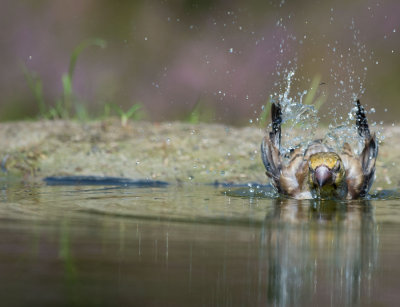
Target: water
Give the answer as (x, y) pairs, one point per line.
(194, 246)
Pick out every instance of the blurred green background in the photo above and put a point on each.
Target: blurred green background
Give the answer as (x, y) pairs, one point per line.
(211, 60)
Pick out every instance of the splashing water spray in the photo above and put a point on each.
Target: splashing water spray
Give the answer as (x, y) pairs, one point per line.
(301, 122)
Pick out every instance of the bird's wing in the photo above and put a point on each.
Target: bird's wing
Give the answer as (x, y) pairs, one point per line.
(288, 179)
(354, 173)
(360, 171)
(294, 177)
(370, 152)
(270, 147)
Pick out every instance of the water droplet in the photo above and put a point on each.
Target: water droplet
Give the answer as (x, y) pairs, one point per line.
(231, 50)
(145, 38)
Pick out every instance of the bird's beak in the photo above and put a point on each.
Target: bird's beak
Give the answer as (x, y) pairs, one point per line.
(323, 175)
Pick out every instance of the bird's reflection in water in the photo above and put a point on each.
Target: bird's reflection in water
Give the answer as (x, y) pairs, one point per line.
(318, 252)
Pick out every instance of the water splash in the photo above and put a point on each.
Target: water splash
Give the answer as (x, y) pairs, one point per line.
(348, 73)
(295, 116)
(300, 123)
(345, 83)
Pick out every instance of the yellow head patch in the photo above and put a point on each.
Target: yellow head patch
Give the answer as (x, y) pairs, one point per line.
(324, 158)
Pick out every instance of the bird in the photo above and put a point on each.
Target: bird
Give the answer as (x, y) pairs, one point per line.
(318, 172)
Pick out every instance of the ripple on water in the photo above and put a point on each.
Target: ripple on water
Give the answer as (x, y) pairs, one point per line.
(224, 243)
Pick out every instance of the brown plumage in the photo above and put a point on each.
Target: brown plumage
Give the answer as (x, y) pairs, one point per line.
(319, 172)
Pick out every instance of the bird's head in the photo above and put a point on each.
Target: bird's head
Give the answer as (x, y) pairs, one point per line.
(326, 171)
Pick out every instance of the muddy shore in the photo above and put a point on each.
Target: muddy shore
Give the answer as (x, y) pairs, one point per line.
(174, 152)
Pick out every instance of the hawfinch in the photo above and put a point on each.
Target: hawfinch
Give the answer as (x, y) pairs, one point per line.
(317, 171)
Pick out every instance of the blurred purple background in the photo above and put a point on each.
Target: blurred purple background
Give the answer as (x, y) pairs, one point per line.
(169, 55)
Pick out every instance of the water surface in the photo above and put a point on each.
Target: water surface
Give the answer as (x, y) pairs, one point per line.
(193, 246)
